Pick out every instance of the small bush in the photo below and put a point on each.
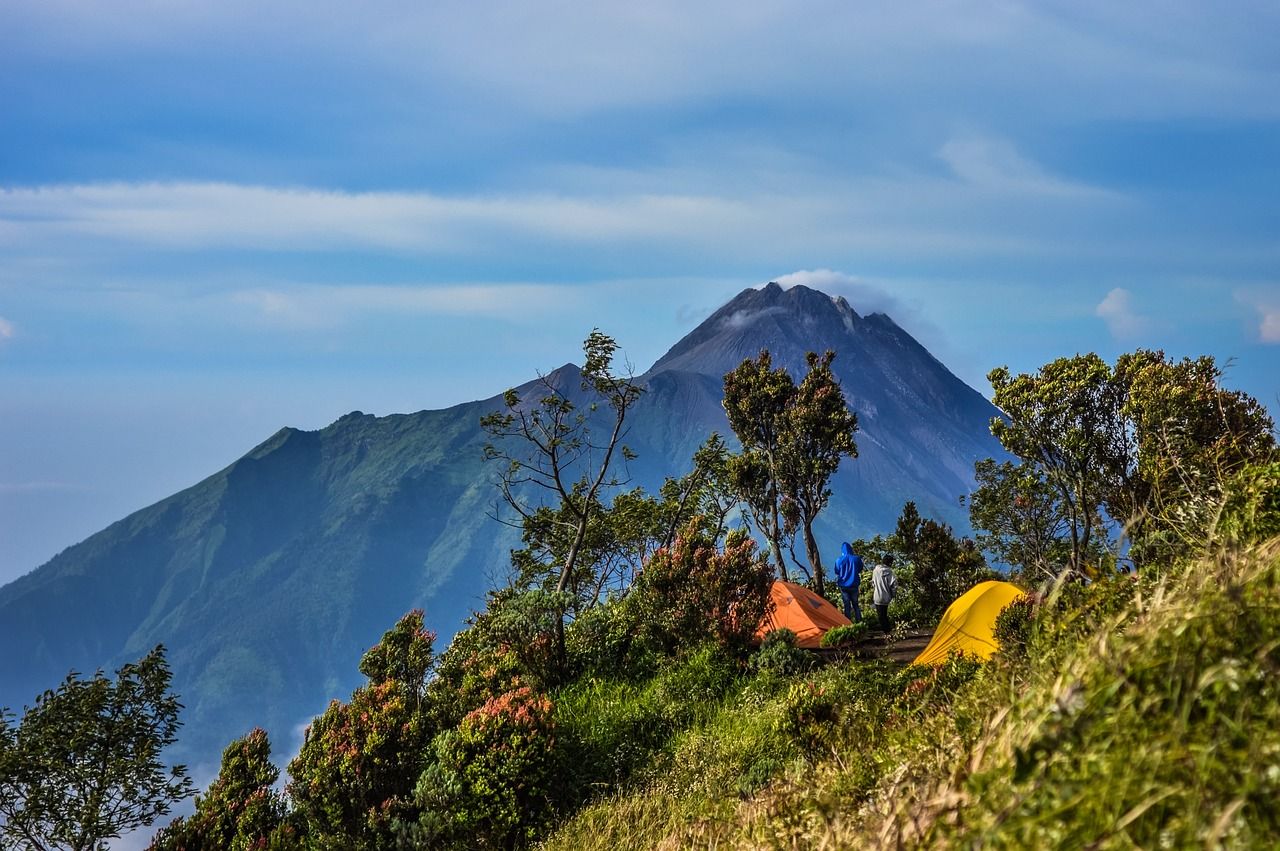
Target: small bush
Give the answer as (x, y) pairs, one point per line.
(809, 716)
(779, 656)
(936, 686)
(843, 636)
(1013, 626)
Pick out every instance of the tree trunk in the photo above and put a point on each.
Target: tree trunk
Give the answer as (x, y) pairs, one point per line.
(815, 558)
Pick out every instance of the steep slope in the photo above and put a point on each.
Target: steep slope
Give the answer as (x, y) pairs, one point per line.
(267, 580)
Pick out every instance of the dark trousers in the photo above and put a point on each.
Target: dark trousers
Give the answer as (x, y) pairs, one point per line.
(852, 610)
(883, 612)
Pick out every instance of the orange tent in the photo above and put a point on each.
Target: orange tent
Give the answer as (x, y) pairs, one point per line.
(800, 610)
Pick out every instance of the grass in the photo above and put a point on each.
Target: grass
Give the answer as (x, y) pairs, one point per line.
(1142, 715)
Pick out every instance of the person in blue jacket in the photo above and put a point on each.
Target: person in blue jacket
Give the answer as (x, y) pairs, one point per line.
(848, 575)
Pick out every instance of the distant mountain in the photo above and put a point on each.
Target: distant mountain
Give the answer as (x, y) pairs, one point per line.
(267, 580)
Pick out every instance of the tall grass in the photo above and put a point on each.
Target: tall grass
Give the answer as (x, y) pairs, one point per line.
(1141, 715)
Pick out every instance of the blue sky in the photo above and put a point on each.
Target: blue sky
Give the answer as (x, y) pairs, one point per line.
(220, 218)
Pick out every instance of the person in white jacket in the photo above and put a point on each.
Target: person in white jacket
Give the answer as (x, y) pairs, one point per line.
(884, 586)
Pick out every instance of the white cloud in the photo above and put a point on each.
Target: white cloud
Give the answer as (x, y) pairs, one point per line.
(1084, 59)
(908, 213)
(1266, 307)
(1118, 311)
(6, 329)
(315, 306)
(996, 164)
(1269, 328)
(221, 215)
(862, 295)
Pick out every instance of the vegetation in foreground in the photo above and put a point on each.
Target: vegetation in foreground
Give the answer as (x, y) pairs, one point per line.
(610, 695)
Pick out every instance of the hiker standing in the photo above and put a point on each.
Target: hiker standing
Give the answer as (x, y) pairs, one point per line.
(885, 587)
(848, 577)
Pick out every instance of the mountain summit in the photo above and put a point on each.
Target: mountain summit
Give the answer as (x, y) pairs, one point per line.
(267, 580)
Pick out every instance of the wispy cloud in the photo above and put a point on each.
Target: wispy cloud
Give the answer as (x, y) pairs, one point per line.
(1266, 309)
(1122, 317)
(864, 296)
(996, 164)
(6, 329)
(316, 306)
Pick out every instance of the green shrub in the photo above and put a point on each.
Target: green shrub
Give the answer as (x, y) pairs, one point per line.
(778, 655)
(609, 729)
(490, 782)
(842, 636)
(692, 591)
(607, 641)
(1013, 626)
(1251, 512)
(809, 715)
(240, 811)
(355, 772)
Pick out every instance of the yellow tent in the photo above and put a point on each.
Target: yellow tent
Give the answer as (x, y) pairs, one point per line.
(800, 610)
(969, 622)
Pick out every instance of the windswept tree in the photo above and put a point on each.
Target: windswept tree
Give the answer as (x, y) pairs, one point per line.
(1186, 436)
(84, 764)
(552, 450)
(793, 439)
(756, 398)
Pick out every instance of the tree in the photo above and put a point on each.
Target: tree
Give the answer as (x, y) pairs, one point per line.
(942, 566)
(359, 760)
(1018, 517)
(1186, 437)
(560, 456)
(1147, 444)
(819, 432)
(240, 811)
(793, 438)
(756, 398)
(1066, 420)
(83, 766)
(906, 534)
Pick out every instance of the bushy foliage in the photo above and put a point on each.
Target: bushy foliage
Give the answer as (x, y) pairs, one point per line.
(691, 591)
(1251, 512)
(351, 779)
(241, 811)
(779, 656)
(1014, 624)
(845, 635)
(935, 687)
(809, 714)
(490, 781)
(942, 566)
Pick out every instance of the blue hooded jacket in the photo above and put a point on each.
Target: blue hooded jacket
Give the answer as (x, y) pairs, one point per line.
(848, 568)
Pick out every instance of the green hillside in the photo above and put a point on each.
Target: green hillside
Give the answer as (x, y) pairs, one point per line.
(1138, 715)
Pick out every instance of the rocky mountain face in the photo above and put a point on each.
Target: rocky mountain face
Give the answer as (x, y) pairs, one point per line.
(268, 580)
